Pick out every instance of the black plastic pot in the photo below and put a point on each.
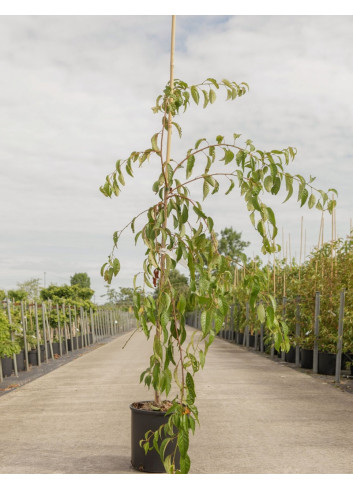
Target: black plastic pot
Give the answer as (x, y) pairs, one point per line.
(290, 355)
(241, 338)
(56, 348)
(6, 364)
(33, 357)
(252, 340)
(63, 347)
(91, 338)
(20, 361)
(306, 360)
(141, 422)
(327, 363)
(346, 357)
(72, 343)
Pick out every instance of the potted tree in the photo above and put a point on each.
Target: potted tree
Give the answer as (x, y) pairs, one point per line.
(177, 230)
(8, 347)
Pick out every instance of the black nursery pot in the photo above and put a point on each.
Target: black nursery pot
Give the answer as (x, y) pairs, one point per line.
(252, 340)
(6, 364)
(327, 363)
(72, 343)
(33, 357)
(141, 422)
(56, 349)
(241, 338)
(290, 355)
(306, 358)
(20, 361)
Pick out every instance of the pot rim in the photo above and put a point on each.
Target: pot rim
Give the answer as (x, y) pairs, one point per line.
(146, 411)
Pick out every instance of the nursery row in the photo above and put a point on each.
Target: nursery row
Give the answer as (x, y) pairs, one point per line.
(31, 334)
(312, 345)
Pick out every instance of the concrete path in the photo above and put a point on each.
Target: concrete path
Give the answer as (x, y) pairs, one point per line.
(257, 416)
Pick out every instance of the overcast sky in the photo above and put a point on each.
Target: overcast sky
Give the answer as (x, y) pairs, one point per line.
(76, 94)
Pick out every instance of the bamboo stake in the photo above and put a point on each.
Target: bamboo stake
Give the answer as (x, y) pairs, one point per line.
(304, 245)
(301, 245)
(332, 241)
(323, 227)
(274, 274)
(319, 239)
(290, 253)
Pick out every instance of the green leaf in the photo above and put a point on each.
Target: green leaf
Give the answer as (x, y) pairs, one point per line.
(116, 266)
(206, 189)
(184, 214)
(185, 464)
(181, 304)
(121, 179)
(154, 143)
(304, 197)
(190, 165)
(312, 201)
(212, 96)
(206, 99)
(183, 442)
(230, 187)
(195, 94)
(268, 183)
(155, 186)
(178, 128)
(212, 80)
(198, 212)
(289, 186)
(261, 313)
(167, 462)
(228, 157)
(190, 386)
(198, 142)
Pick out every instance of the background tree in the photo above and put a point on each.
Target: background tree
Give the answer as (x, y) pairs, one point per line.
(111, 294)
(17, 295)
(125, 296)
(31, 287)
(179, 282)
(230, 244)
(81, 279)
(70, 294)
(2, 295)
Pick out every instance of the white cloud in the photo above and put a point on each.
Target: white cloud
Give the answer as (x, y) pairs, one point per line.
(76, 93)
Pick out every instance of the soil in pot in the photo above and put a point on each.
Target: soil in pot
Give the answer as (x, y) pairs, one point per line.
(290, 355)
(306, 360)
(327, 363)
(6, 364)
(143, 419)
